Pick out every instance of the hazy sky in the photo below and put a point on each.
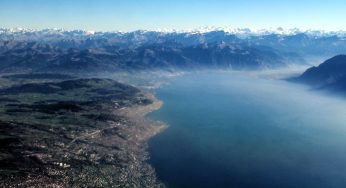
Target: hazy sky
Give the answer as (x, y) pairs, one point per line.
(126, 15)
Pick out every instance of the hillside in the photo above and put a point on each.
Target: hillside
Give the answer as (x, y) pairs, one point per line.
(330, 75)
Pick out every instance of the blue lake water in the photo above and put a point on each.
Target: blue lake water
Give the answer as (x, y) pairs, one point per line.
(234, 130)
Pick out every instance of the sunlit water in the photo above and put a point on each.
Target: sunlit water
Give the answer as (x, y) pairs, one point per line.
(235, 130)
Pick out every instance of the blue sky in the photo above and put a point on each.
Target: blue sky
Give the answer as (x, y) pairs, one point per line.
(128, 15)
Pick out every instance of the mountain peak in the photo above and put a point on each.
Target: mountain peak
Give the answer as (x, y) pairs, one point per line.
(241, 32)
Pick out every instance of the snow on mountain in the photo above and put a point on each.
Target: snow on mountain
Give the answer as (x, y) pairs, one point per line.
(257, 48)
(241, 32)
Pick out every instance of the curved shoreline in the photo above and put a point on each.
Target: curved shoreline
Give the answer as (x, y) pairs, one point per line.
(143, 130)
(85, 137)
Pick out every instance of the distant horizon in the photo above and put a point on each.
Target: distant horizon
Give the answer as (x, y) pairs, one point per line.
(130, 15)
(202, 29)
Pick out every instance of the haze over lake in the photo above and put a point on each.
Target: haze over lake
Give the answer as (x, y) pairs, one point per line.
(229, 129)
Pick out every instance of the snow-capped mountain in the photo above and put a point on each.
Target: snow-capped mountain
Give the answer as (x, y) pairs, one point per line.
(54, 49)
(202, 30)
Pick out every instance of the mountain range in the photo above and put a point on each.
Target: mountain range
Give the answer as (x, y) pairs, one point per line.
(239, 49)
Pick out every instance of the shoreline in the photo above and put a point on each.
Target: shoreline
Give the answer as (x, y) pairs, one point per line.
(138, 114)
(68, 141)
(142, 131)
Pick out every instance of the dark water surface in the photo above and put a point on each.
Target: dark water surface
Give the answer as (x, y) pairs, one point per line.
(234, 130)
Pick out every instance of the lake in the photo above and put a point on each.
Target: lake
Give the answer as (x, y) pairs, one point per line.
(231, 129)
